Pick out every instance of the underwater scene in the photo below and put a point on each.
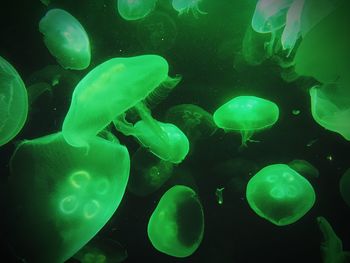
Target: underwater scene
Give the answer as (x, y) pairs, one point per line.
(175, 131)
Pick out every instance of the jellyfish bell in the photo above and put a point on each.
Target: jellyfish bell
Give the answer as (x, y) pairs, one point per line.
(13, 102)
(279, 194)
(247, 115)
(344, 186)
(66, 39)
(135, 9)
(126, 84)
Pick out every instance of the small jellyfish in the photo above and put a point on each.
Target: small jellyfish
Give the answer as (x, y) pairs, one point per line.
(101, 250)
(45, 2)
(305, 168)
(344, 186)
(185, 6)
(330, 108)
(247, 115)
(193, 120)
(38, 89)
(176, 225)
(157, 32)
(148, 172)
(219, 195)
(13, 102)
(332, 246)
(109, 90)
(69, 193)
(279, 194)
(66, 39)
(135, 9)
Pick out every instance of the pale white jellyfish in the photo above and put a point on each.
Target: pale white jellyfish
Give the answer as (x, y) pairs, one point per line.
(185, 6)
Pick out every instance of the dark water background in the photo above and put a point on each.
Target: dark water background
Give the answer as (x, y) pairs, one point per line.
(206, 52)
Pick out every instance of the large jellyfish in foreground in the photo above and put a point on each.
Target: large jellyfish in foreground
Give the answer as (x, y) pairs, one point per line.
(247, 115)
(332, 246)
(185, 6)
(135, 9)
(13, 102)
(109, 90)
(279, 194)
(66, 39)
(176, 226)
(324, 51)
(344, 186)
(330, 107)
(62, 196)
(148, 172)
(101, 250)
(193, 120)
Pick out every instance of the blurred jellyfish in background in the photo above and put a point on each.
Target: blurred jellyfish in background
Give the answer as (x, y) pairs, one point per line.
(247, 115)
(135, 9)
(186, 6)
(93, 108)
(157, 32)
(344, 186)
(13, 102)
(101, 250)
(279, 194)
(304, 168)
(332, 246)
(46, 2)
(176, 226)
(193, 120)
(66, 39)
(61, 196)
(148, 173)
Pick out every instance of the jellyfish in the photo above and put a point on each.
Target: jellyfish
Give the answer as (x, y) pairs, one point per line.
(279, 194)
(66, 39)
(332, 246)
(330, 108)
(292, 30)
(45, 2)
(247, 115)
(176, 225)
(38, 89)
(185, 6)
(101, 250)
(322, 57)
(148, 172)
(112, 88)
(270, 16)
(344, 186)
(135, 9)
(193, 120)
(219, 195)
(13, 102)
(69, 193)
(157, 32)
(304, 168)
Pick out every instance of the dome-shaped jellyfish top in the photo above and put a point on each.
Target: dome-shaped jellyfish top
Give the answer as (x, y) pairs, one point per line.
(246, 113)
(108, 91)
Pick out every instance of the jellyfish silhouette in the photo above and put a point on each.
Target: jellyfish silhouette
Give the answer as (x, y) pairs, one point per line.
(344, 186)
(186, 6)
(135, 9)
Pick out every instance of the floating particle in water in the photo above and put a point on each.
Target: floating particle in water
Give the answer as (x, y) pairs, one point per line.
(295, 112)
(219, 195)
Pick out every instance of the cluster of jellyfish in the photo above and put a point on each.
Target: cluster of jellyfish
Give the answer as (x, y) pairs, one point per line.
(70, 183)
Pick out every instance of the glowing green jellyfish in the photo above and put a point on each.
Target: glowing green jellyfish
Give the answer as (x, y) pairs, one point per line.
(185, 6)
(332, 246)
(62, 196)
(193, 120)
(109, 90)
(330, 107)
(148, 172)
(176, 226)
(326, 58)
(66, 39)
(279, 194)
(304, 168)
(135, 9)
(247, 115)
(13, 102)
(344, 186)
(102, 250)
